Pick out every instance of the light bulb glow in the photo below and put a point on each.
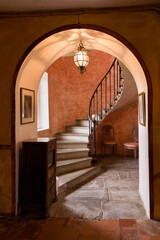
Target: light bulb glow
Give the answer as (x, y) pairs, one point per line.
(81, 59)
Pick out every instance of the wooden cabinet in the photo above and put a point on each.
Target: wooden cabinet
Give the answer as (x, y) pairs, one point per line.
(38, 175)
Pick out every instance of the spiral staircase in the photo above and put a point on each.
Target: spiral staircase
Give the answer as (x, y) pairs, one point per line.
(75, 163)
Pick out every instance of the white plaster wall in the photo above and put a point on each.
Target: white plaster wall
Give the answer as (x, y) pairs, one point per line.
(25, 131)
(67, 41)
(144, 162)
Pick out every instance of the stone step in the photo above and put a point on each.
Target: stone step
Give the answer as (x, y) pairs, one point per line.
(66, 166)
(82, 122)
(72, 153)
(77, 129)
(65, 144)
(73, 137)
(71, 180)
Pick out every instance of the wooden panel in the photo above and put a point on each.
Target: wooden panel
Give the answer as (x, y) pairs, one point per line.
(51, 146)
(51, 181)
(37, 179)
(51, 171)
(52, 194)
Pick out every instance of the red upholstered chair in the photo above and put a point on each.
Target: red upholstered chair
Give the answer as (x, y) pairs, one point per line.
(108, 138)
(134, 144)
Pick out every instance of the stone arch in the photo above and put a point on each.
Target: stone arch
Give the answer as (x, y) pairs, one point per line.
(100, 38)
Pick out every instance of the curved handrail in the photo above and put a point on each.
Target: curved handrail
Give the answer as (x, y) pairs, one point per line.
(112, 85)
(103, 79)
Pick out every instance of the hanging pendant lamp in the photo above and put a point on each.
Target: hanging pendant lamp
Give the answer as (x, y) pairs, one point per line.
(81, 59)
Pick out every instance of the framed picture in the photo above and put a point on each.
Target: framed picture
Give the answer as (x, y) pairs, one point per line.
(27, 104)
(141, 103)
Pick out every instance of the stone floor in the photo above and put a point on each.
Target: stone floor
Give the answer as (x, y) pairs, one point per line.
(112, 194)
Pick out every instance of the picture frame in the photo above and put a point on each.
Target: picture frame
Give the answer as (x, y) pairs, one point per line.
(27, 106)
(141, 107)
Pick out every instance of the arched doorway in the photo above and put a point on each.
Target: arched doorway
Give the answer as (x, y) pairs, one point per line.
(62, 41)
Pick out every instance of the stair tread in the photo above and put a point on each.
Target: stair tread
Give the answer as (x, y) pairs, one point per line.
(69, 141)
(70, 176)
(72, 134)
(82, 123)
(69, 150)
(70, 161)
(77, 126)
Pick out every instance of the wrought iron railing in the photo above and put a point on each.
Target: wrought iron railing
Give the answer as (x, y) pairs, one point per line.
(103, 100)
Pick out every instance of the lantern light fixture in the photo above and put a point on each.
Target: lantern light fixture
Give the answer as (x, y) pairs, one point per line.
(81, 59)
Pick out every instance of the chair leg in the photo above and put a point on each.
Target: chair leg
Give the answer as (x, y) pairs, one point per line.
(124, 153)
(115, 150)
(135, 153)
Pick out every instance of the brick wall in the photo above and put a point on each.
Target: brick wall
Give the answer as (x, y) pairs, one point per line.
(70, 91)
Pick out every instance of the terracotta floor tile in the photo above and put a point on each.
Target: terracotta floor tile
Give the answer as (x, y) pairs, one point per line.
(131, 223)
(109, 225)
(16, 233)
(79, 229)
(144, 237)
(146, 232)
(6, 237)
(90, 226)
(53, 224)
(68, 234)
(92, 236)
(73, 223)
(149, 227)
(30, 231)
(23, 238)
(109, 236)
(45, 235)
(129, 234)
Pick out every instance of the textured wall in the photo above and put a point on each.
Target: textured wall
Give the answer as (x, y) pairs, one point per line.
(5, 190)
(70, 91)
(123, 121)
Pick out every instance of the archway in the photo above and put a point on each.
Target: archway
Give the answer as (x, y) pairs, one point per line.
(45, 51)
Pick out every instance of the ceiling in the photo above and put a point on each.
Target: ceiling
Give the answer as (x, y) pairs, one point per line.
(42, 5)
(64, 42)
